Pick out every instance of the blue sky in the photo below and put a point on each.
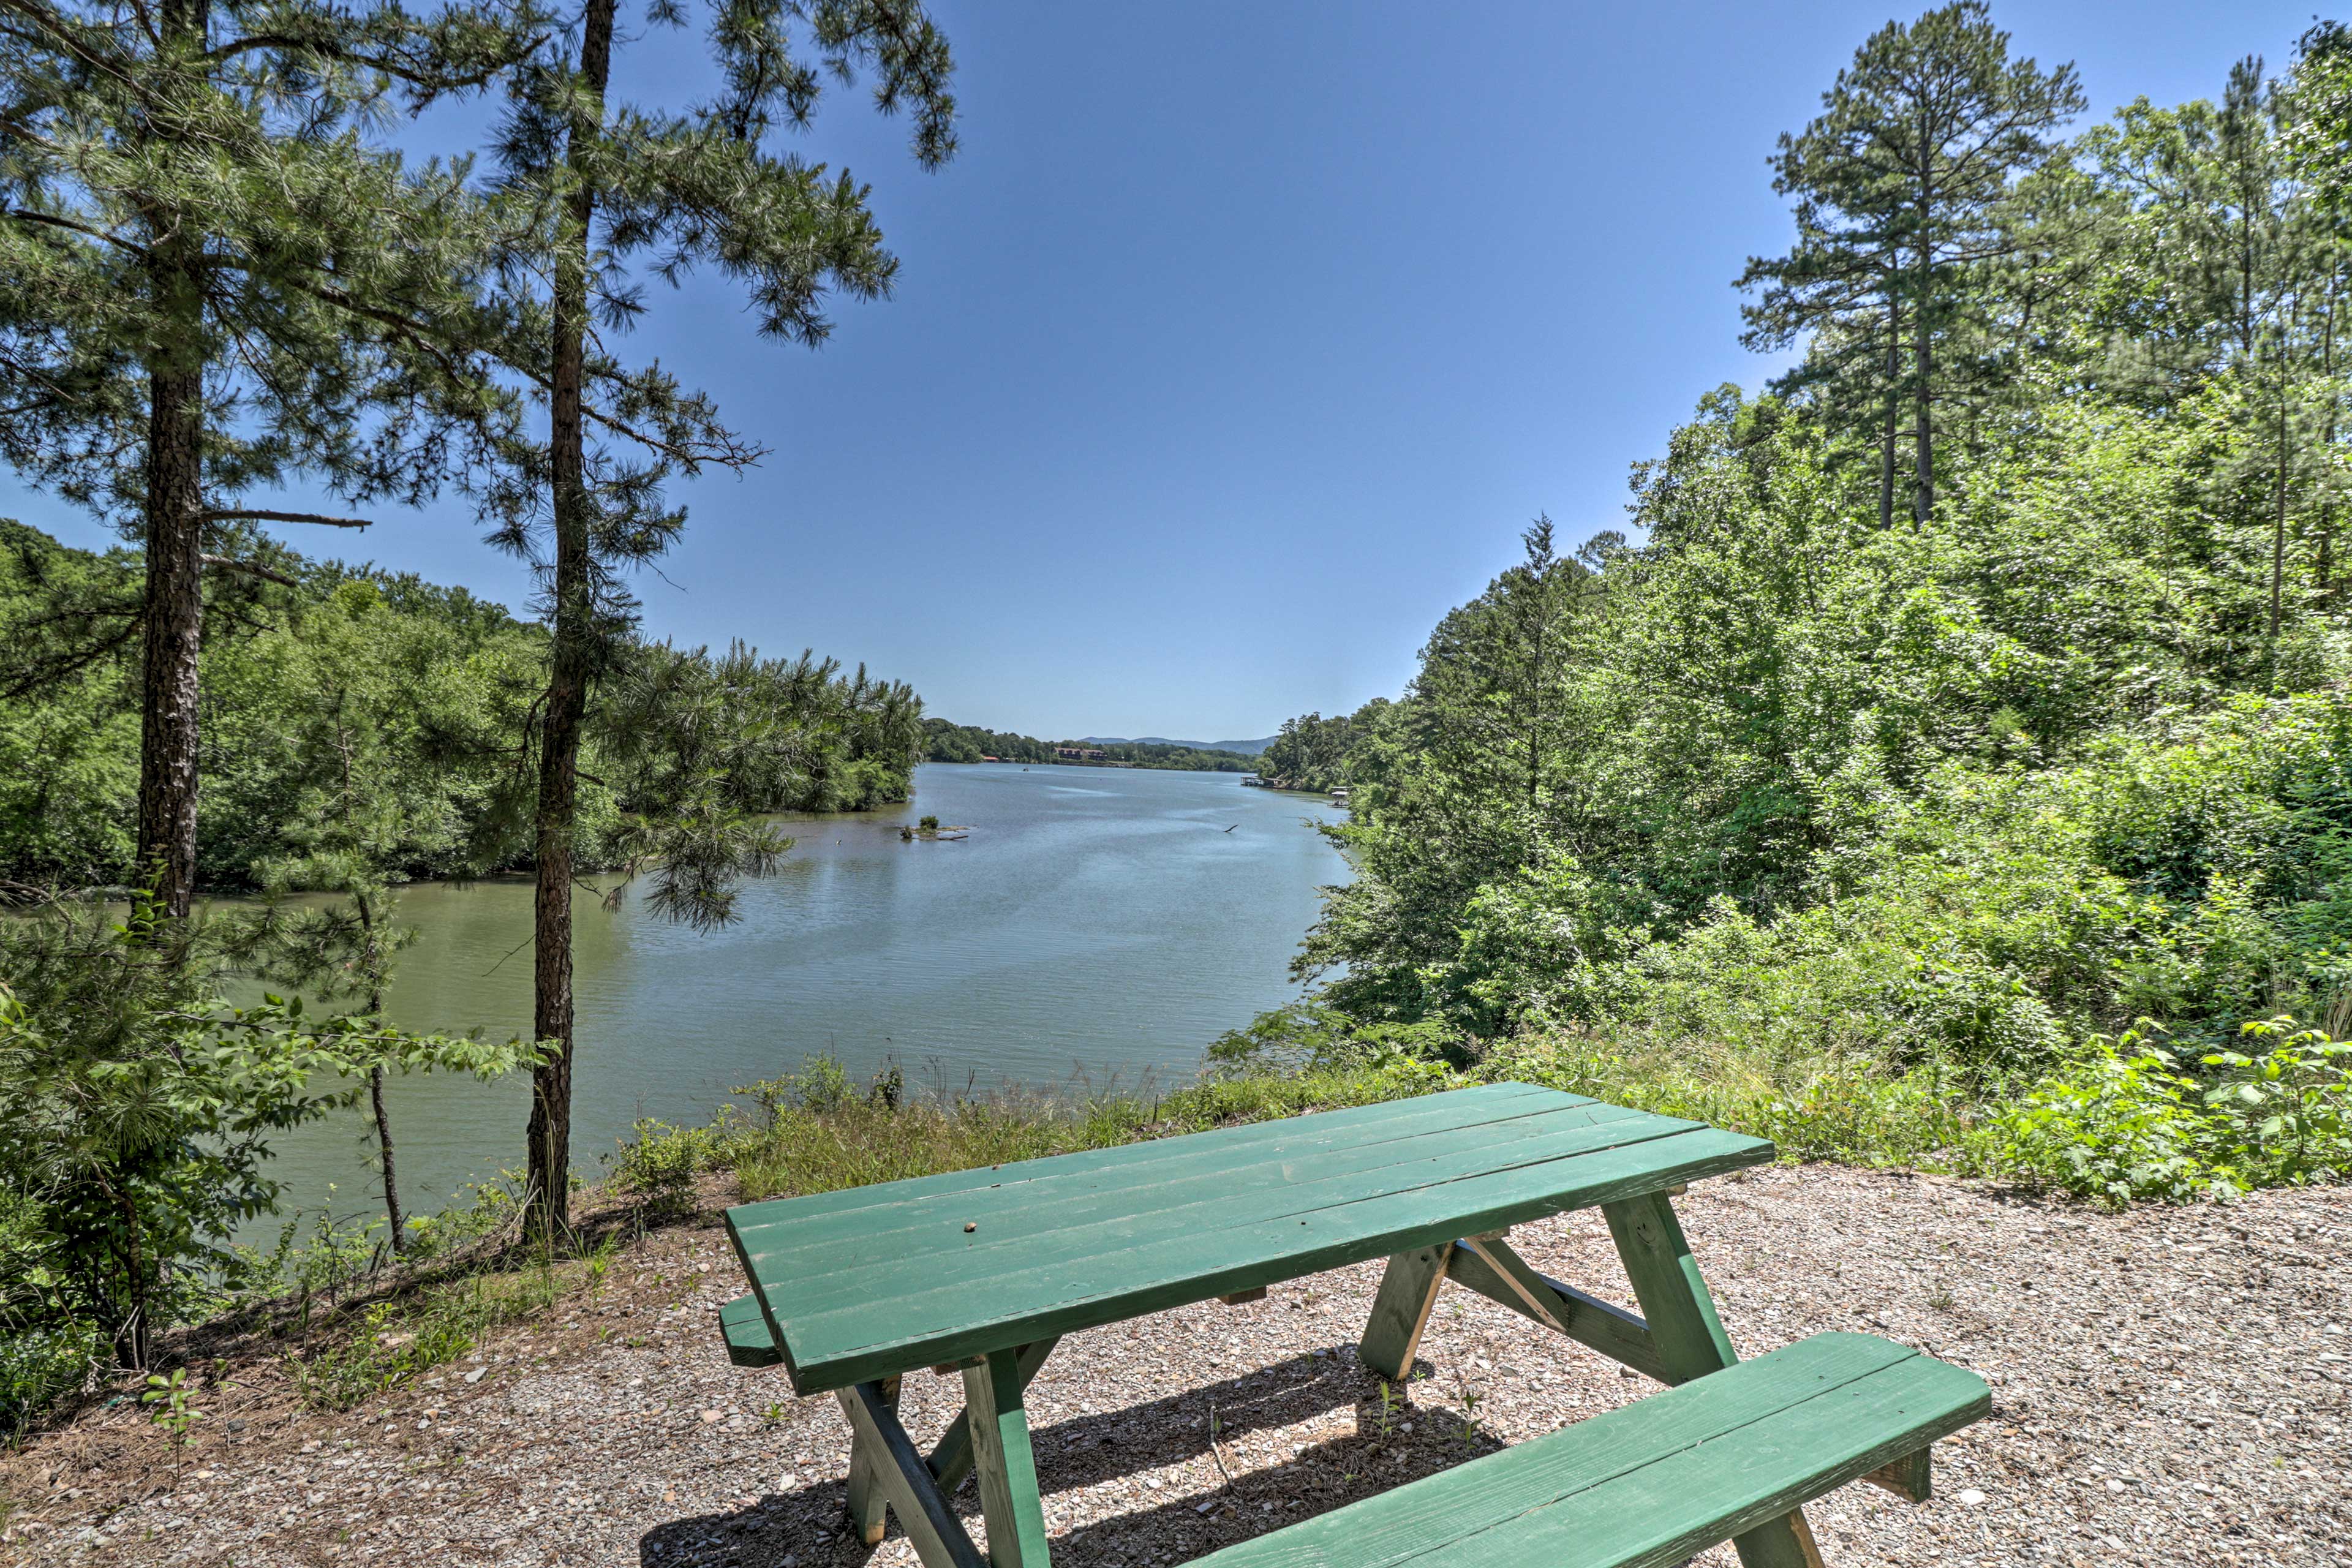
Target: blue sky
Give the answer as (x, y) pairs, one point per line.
(1240, 340)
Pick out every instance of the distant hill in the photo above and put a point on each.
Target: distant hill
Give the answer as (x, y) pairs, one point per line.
(1239, 748)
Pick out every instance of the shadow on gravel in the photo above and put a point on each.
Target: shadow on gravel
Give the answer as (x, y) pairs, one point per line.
(806, 1526)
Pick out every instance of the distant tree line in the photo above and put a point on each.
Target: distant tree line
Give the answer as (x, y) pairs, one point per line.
(965, 744)
(1312, 752)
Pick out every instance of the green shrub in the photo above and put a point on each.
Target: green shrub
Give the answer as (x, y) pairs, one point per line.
(2120, 1124)
(2284, 1116)
(660, 1162)
(39, 1365)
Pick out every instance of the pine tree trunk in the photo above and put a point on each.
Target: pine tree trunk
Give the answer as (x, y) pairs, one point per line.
(383, 1146)
(1922, 496)
(173, 605)
(175, 611)
(1923, 490)
(570, 666)
(1886, 442)
(2278, 527)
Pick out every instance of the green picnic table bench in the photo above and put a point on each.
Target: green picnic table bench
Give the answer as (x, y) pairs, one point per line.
(981, 1272)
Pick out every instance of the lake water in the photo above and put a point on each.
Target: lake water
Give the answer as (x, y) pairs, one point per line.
(1098, 925)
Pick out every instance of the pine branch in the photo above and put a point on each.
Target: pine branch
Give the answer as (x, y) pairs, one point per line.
(23, 215)
(250, 568)
(253, 515)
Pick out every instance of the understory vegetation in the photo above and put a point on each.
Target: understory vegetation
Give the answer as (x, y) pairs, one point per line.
(1955, 762)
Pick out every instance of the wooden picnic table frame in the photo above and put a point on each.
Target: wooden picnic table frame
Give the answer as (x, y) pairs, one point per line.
(1677, 1336)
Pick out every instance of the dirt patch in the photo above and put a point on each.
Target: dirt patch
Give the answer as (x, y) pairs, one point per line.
(2170, 1386)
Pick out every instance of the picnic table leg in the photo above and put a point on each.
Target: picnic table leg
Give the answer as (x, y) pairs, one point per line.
(1407, 1291)
(866, 1497)
(1691, 1344)
(1001, 1456)
(907, 1485)
(951, 1459)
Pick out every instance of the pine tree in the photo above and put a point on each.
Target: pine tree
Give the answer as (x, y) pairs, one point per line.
(608, 188)
(210, 283)
(1903, 186)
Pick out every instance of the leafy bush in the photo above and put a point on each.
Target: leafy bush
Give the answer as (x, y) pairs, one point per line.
(658, 1164)
(39, 1365)
(2120, 1124)
(137, 1107)
(2284, 1116)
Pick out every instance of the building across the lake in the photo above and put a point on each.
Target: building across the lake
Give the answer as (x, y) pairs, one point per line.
(1082, 753)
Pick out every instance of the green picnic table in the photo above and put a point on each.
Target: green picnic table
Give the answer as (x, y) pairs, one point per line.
(979, 1273)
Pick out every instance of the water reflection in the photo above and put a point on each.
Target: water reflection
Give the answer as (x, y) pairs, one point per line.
(1104, 927)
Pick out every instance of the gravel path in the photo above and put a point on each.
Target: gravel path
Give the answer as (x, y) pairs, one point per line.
(2170, 1386)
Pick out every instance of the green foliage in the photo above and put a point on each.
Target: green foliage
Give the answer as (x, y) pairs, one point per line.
(1899, 840)
(2287, 1115)
(171, 1406)
(1312, 752)
(136, 1111)
(375, 718)
(2120, 1124)
(658, 1162)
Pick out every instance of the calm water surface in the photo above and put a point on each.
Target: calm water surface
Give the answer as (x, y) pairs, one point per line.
(1099, 923)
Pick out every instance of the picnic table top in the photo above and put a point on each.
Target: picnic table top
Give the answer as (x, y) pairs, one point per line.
(873, 1281)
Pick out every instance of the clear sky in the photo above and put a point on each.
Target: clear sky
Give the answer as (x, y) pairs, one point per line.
(1241, 340)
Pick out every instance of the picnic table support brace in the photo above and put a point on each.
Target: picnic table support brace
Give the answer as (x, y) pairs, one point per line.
(896, 1474)
(1489, 1265)
(1691, 1344)
(1407, 1291)
(1001, 1457)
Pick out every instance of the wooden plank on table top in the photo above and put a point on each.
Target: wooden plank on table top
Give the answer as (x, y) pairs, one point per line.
(924, 1326)
(951, 1244)
(759, 1225)
(1253, 1142)
(824, 1277)
(1038, 1206)
(1656, 1480)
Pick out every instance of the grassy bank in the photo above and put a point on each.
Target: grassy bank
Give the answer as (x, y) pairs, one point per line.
(2117, 1122)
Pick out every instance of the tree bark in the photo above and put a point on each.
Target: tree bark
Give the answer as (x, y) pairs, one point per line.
(1923, 490)
(173, 605)
(1886, 444)
(383, 1146)
(571, 666)
(174, 610)
(1922, 493)
(2278, 524)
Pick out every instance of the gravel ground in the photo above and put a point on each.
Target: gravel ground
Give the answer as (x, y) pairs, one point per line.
(2170, 1386)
